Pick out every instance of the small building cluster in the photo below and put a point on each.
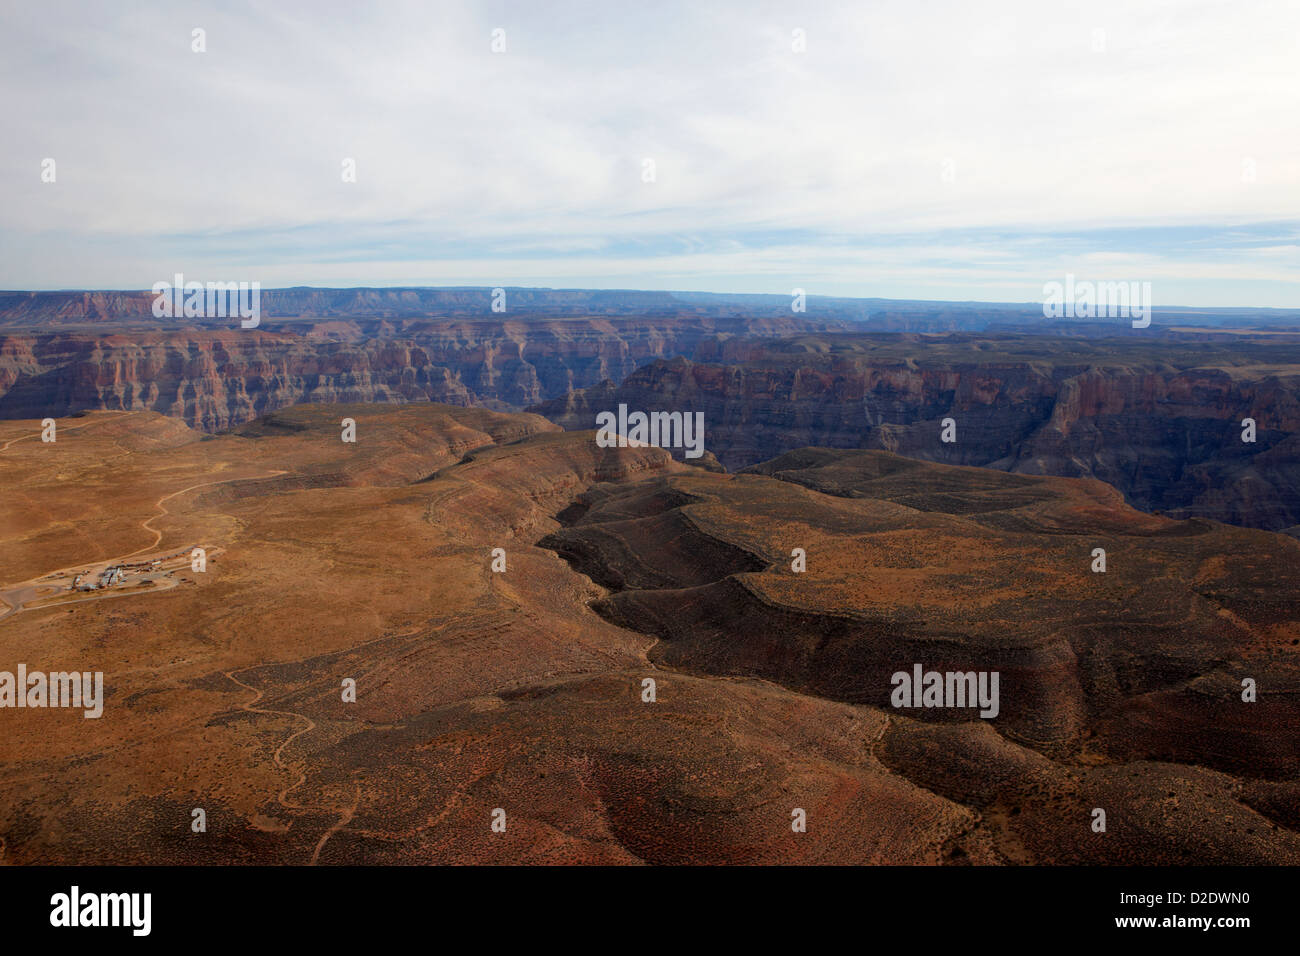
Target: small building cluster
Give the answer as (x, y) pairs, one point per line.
(107, 578)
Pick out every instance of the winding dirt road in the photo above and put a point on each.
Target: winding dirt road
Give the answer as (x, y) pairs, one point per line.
(161, 505)
(345, 813)
(59, 428)
(16, 597)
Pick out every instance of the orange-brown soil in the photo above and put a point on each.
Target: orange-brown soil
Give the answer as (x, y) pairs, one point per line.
(522, 690)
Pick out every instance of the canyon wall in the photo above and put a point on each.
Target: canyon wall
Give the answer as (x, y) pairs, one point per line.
(1162, 424)
(213, 379)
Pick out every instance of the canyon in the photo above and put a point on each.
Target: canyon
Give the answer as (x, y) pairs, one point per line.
(1158, 414)
(214, 379)
(1159, 418)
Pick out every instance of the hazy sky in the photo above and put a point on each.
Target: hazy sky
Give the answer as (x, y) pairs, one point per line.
(955, 149)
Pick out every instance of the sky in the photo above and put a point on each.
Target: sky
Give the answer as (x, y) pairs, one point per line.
(937, 149)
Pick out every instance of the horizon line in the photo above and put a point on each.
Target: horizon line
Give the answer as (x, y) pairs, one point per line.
(1030, 303)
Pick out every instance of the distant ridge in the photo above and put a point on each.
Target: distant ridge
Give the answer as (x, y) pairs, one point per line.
(81, 308)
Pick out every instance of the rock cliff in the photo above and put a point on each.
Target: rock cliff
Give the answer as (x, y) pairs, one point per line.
(1161, 423)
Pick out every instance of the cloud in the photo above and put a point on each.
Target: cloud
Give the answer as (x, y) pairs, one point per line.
(935, 120)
